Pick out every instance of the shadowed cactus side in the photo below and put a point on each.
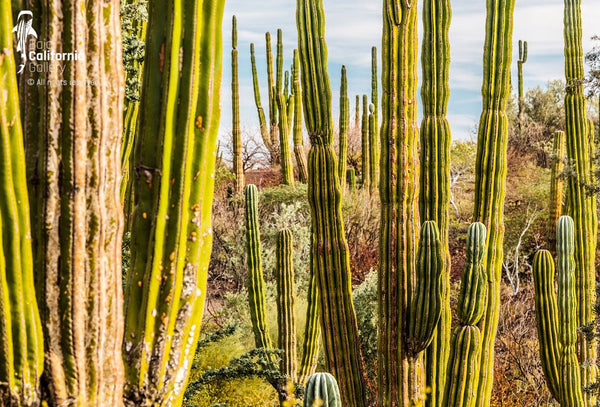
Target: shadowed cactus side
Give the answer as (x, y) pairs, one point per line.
(322, 391)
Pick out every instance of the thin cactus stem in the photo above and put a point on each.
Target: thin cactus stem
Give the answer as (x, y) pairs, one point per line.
(521, 61)
(329, 248)
(375, 100)
(343, 129)
(357, 113)
(171, 234)
(285, 303)
(287, 168)
(256, 282)
(556, 185)
(236, 131)
(74, 136)
(373, 151)
(582, 205)
(490, 179)
(262, 120)
(399, 379)
(365, 170)
(299, 152)
(21, 342)
(434, 192)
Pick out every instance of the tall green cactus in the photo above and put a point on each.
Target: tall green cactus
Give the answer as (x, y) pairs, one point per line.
(357, 113)
(434, 182)
(398, 192)
(236, 131)
(299, 152)
(521, 61)
(365, 151)
(21, 343)
(312, 332)
(556, 185)
(375, 90)
(264, 131)
(582, 205)
(172, 235)
(556, 317)
(351, 179)
(373, 150)
(256, 283)
(287, 168)
(74, 136)
(343, 129)
(285, 304)
(466, 345)
(329, 249)
(490, 170)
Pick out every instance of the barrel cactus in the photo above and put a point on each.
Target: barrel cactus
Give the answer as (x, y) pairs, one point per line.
(322, 391)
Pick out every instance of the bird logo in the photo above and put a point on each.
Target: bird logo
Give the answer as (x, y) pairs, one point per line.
(23, 30)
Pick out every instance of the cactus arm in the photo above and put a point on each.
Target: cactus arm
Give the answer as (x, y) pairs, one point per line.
(256, 284)
(299, 152)
(571, 380)
(329, 248)
(262, 120)
(490, 180)
(466, 343)
(172, 234)
(546, 311)
(21, 344)
(366, 162)
(344, 121)
(582, 205)
(287, 168)
(399, 211)
(285, 303)
(310, 347)
(236, 132)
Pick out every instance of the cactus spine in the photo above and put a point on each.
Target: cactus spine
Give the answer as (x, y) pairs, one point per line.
(490, 179)
(74, 140)
(298, 136)
(344, 122)
(256, 283)
(399, 381)
(521, 61)
(285, 304)
(366, 162)
(373, 151)
(322, 390)
(172, 236)
(236, 131)
(21, 343)
(435, 173)
(329, 249)
(556, 186)
(556, 317)
(466, 345)
(582, 206)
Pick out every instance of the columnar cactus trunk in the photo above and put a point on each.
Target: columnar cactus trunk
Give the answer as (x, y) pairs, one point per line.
(343, 131)
(21, 343)
(285, 303)
(373, 151)
(490, 170)
(357, 113)
(460, 389)
(256, 283)
(299, 152)
(557, 184)
(435, 172)
(375, 93)
(366, 162)
(329, 249)
(236, 131)
(287, 168)
(74, 134)
(351, 179)
(172, 237)
(582, 205)
(310, 347)
(398, 192)
(521, 61)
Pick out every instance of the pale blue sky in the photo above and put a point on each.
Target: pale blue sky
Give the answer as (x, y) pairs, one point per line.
(354, 26)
